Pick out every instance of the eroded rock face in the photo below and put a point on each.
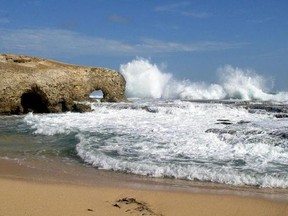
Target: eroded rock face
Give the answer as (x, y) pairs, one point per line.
(44, 86)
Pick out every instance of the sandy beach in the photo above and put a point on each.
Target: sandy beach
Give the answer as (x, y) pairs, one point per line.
(29, 191)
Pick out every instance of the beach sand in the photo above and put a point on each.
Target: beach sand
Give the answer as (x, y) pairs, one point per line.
(27, 191)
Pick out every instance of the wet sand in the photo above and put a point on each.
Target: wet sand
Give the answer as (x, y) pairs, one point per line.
(72, 190)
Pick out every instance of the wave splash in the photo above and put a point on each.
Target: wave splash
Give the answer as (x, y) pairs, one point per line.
(147, 80)
(176, 139)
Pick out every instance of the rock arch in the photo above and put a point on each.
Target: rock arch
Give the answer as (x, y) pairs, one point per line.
(46, 86)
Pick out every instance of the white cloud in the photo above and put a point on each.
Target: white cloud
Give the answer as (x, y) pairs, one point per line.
(181, 8)
(172, 7)
(157, 46)
(261, 21)
(55, 42)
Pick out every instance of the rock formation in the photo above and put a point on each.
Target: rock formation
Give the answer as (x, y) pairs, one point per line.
(46, 86)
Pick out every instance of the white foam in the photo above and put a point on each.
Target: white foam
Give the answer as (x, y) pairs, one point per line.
(147, 80)
(158, 138)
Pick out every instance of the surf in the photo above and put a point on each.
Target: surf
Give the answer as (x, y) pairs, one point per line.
(214, 142)
(147, 80)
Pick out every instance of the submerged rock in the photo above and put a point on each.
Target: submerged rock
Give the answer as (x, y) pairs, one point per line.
(46, 86)
(281, 115)
(268, 107)
(224, 121)
(220, 131)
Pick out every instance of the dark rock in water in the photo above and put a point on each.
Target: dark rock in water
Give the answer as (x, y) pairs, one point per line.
(224, 121)
(243, 122)
(281, 134)
(253, 132)
(81, 108)
(281, 115)
(274, 108)
(213, 130)
(46, 86)
(239, 162)
(220, 131)
(151, 109)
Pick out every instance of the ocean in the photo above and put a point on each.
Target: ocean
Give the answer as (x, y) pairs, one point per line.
(232, 132)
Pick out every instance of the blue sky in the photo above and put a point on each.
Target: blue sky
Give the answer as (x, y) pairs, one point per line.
(191, 38)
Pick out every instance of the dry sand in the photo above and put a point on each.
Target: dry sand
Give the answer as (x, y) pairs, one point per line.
(34, 196)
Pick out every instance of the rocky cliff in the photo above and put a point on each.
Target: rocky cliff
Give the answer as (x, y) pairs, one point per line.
(46, 86)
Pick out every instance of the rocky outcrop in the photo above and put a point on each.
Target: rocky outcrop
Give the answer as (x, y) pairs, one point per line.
(46, 86)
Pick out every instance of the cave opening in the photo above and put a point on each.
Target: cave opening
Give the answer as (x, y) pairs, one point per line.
(34, 102)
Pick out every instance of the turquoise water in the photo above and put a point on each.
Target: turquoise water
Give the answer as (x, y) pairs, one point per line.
(203, 141)
(17, 141)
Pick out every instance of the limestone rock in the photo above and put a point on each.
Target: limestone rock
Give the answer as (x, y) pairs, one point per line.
(46, 86)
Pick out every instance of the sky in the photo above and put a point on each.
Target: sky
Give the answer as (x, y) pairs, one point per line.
(190, 39)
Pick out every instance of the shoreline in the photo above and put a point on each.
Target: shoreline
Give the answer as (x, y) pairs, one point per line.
(95, 192)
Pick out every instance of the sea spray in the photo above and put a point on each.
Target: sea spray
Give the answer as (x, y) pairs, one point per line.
(187, 90)
(144, 80)
(147, 80)
(243, 84)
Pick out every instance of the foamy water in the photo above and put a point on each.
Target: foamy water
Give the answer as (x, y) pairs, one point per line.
(178, 139)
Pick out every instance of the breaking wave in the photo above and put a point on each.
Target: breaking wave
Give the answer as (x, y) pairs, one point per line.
(211, 142)
(147, 80)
